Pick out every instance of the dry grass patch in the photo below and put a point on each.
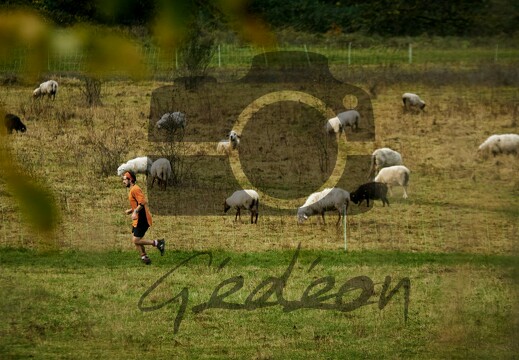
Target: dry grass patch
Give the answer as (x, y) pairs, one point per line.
(457, 202)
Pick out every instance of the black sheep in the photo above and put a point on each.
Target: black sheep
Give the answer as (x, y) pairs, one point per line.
(13, 122)
(371, 190)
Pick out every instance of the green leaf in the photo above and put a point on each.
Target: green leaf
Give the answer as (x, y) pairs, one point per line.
(37, 203)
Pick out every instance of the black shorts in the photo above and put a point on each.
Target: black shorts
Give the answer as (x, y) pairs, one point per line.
(142, 225)
(139, 231)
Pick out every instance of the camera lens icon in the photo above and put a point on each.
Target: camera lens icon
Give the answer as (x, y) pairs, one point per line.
(246, 116)
(280, 109)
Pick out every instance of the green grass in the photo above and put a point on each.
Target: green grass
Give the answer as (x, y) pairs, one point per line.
(12, 257)
(84, 305)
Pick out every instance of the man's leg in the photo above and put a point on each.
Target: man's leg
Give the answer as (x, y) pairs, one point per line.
(139, 244)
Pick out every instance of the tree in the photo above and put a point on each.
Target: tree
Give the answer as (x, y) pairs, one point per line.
(198, 45)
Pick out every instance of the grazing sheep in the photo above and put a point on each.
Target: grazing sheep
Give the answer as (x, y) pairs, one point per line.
(326, 200)
(312, 199)
(411, 100)
(499, 144)
(397, 175)
(171, 121)
(49, 88)
(382, 158)
(13, 122)
(333, 125)
(337, 124)
(140, 165)
(161, 170)
(243, 199)
(228, 145)
(349, 118)
(373, 191)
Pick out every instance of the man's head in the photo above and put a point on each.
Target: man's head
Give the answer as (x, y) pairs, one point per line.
(129, 178)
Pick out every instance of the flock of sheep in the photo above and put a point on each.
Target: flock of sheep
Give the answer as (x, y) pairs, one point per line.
(159, 169)
(172, 121)
(13, 122)
(386, 165)
(387, 169)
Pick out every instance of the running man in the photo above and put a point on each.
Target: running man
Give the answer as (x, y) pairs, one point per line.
(141, 217)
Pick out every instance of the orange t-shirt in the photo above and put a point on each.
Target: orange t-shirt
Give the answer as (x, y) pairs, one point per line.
(136, 197)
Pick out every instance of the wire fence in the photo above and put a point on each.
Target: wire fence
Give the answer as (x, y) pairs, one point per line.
(229, 56)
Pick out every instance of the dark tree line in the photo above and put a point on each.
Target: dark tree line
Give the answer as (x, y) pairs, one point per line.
(394, 17)
(382, 17)
(109, 12)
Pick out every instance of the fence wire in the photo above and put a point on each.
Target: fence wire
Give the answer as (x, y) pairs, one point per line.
(231, 56)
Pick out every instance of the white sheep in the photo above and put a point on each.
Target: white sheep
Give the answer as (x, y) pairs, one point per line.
(161, 170)
(171, 121)
(333, 125)
(140, 165)
(397, 175)
(326, 200)
(49, 88)
(382, 158)
(499, 144)
(229, 144)
(243, 199)
(411, 100)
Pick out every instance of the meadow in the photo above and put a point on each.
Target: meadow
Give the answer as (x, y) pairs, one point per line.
(75, 294)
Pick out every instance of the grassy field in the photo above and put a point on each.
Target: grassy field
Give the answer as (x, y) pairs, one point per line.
(80, 304)
(455, 237)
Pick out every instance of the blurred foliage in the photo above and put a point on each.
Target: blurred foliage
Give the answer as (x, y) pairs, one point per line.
(109, 51)
(35, 25)
(25, 29)
(36, 202)
(178, 21)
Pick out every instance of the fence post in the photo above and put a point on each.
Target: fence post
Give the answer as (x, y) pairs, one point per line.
(219, 56)
(306, 52)
(410, 53)
(344, 210)
(349, 53)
